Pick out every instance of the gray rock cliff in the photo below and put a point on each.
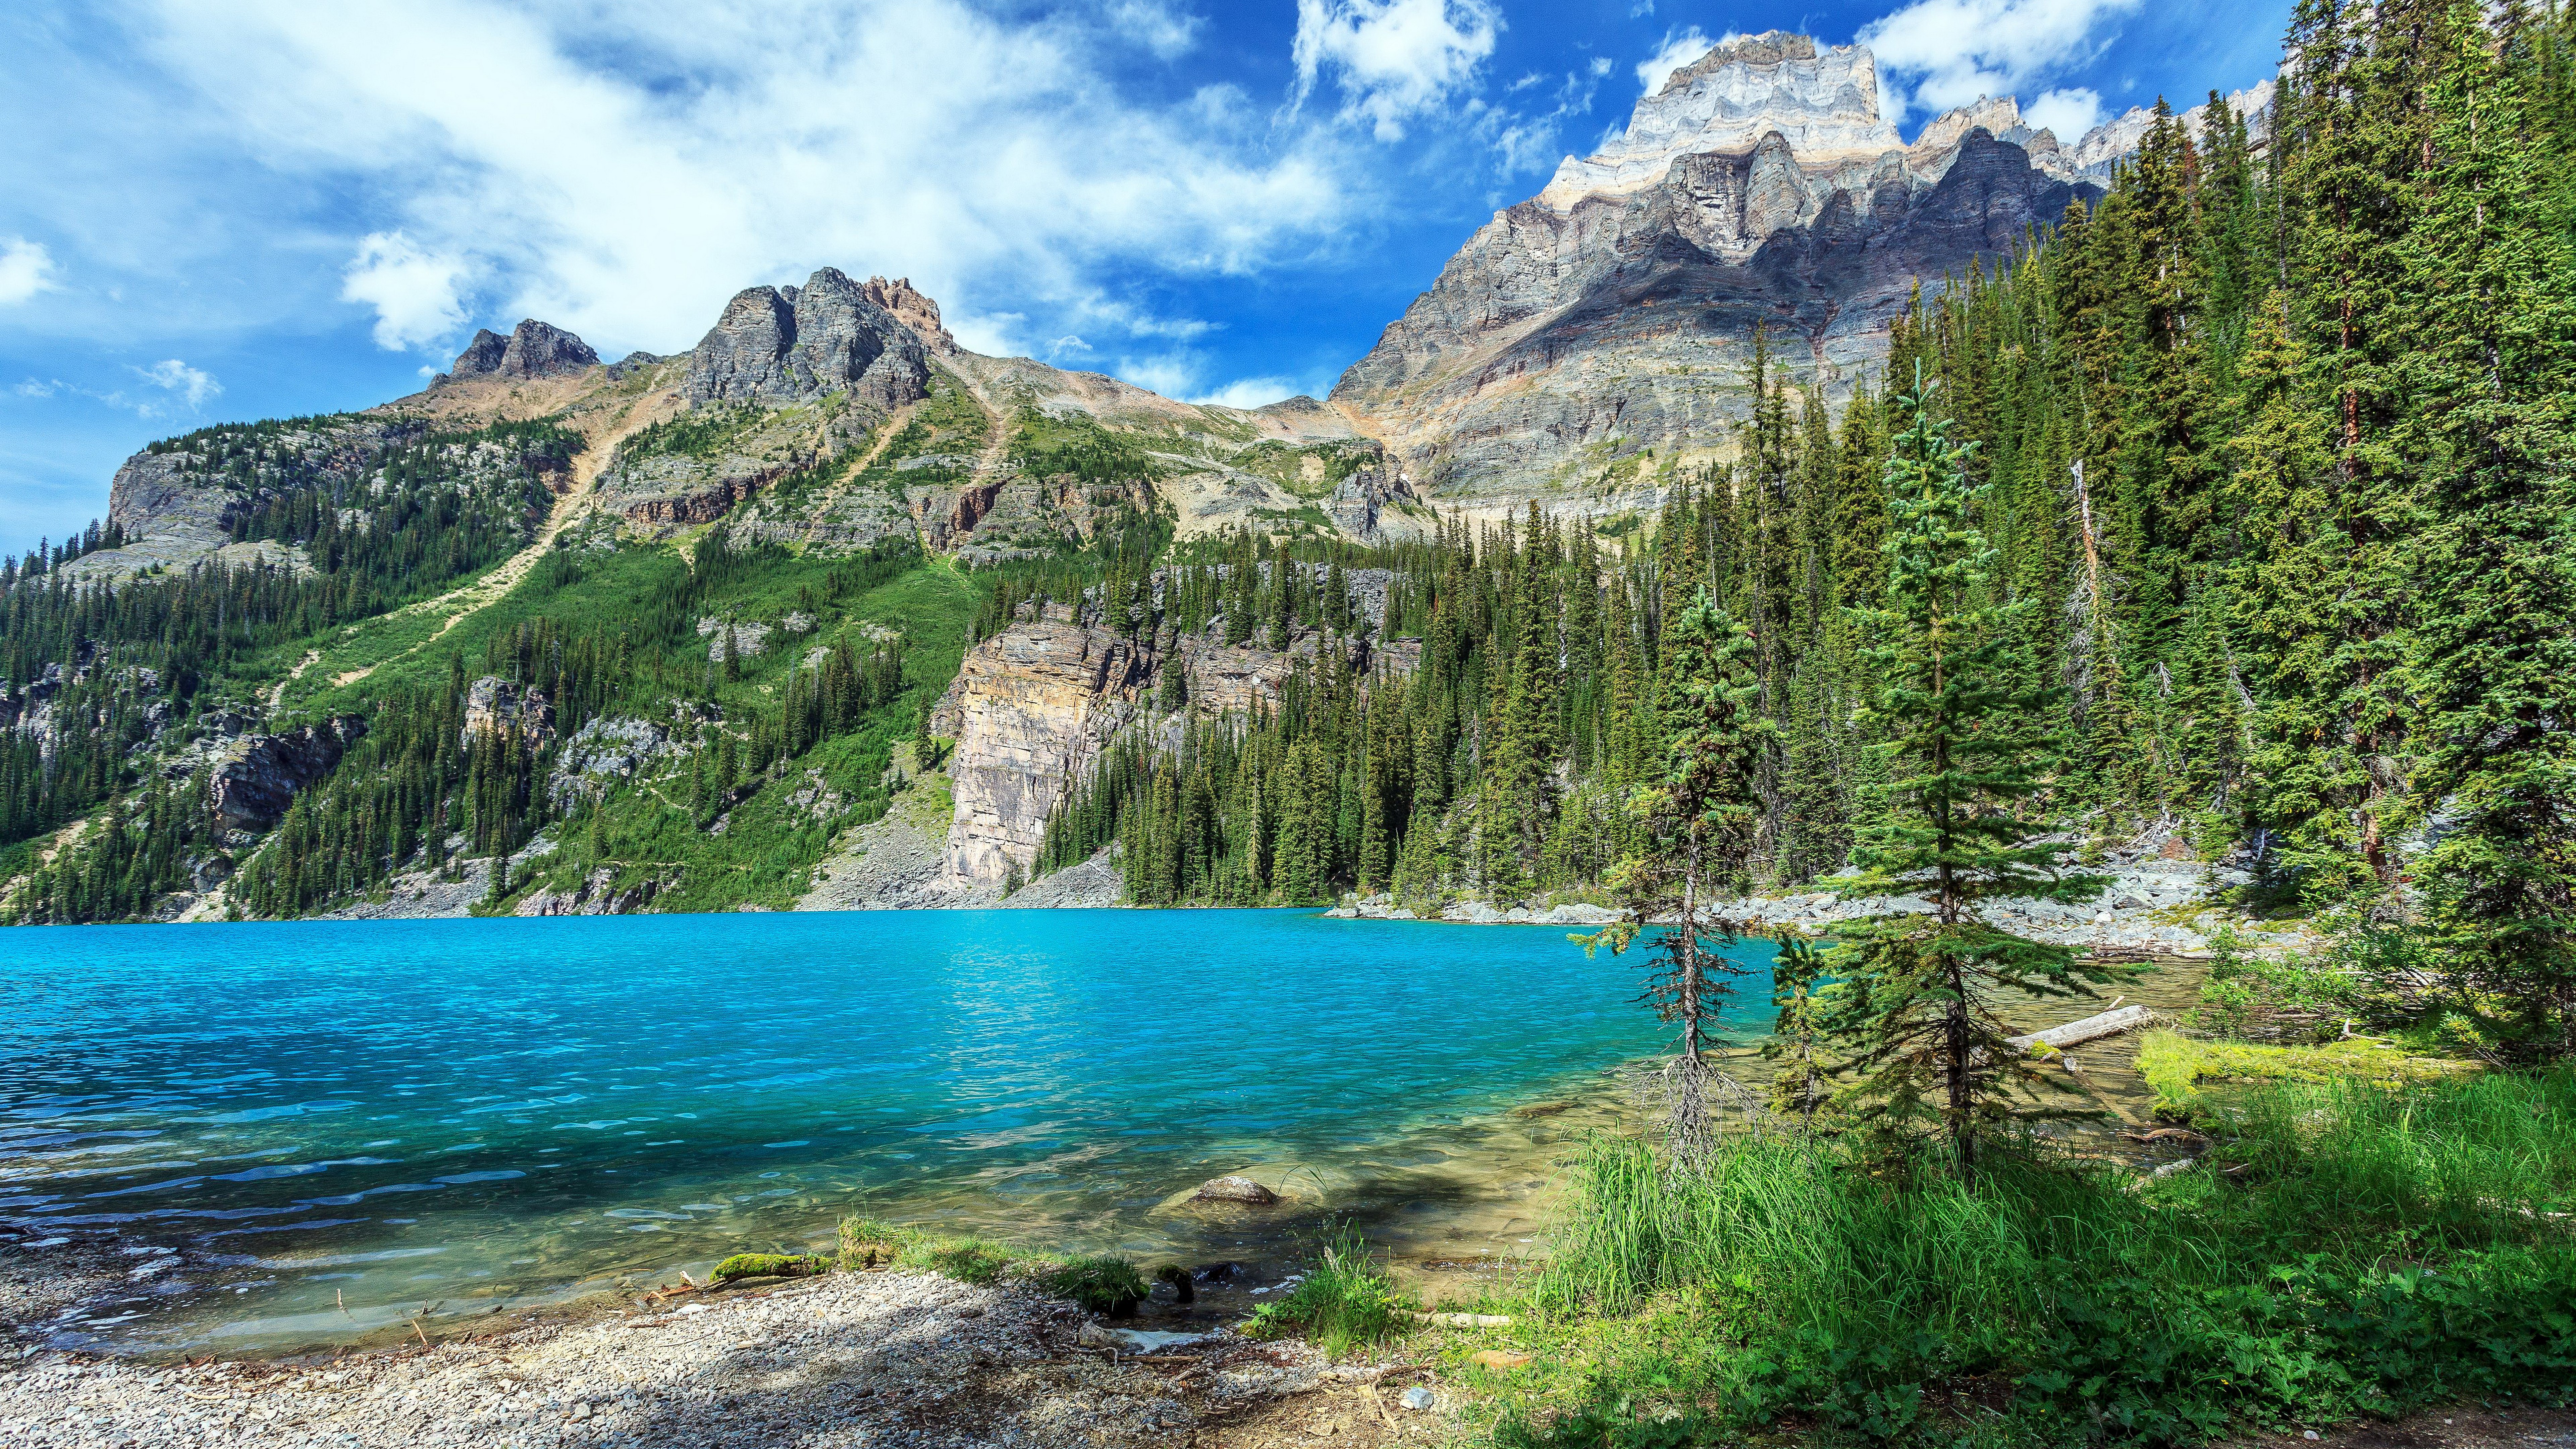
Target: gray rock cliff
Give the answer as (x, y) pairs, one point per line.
(533, 349)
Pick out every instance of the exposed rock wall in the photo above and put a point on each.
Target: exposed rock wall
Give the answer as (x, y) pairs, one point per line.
(799, 343)
(533, 349)
(1029, 711)
(258, 776)
(1613, 316)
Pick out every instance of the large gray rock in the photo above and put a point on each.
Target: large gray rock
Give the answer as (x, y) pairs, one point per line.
(533, 349)
(1613, 316)
(259, 775)
(800, 343)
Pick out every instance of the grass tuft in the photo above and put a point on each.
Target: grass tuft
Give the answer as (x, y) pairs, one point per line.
(1345, 1301)
(1096, 1285)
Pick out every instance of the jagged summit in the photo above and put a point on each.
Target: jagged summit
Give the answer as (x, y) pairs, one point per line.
(1824, 103)
(533, 349)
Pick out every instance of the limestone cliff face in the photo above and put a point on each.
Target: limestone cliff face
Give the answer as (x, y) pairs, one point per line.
(1029, 711)
(1033, 705)
(796, 344)
(1613, 316)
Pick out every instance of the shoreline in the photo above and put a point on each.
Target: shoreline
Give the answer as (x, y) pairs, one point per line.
(866, 1357)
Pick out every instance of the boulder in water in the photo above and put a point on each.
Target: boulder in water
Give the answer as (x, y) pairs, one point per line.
(1235, 1189)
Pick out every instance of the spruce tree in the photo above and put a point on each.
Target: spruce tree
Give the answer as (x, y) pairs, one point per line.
(1699, 812)
(2493, 364)
(1919, 993)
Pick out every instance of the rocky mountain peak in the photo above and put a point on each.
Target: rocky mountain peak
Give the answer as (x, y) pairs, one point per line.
(1823, 102)
(912, 309)
(2105, 146)
(794, 344)
(533, 349)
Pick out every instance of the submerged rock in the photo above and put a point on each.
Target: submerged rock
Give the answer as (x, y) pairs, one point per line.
(1235, 1189)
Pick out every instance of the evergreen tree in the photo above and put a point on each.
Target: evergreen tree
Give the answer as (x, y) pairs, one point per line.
(2493, 363)
(1918, 1004)
(1699, 812)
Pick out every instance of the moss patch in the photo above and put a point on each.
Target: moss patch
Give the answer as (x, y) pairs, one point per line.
(2174, 1065)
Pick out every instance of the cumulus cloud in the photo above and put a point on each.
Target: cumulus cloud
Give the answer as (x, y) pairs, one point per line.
(621, 171)
(1679, 49)
(2069, 112)
(26, 268)
(1394, 60)
(194, 385)
(416, 294)
(1251, 392)
(1936, 54)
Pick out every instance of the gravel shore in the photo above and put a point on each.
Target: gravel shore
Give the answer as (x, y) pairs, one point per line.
(884, 1358)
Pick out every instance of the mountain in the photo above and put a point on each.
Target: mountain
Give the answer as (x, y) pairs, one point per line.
(1586, 341)
(584, 576)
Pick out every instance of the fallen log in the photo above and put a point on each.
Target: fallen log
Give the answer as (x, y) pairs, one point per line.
(2075, 1033)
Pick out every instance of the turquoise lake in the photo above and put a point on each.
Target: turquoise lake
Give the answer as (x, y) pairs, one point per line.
(344, 1125)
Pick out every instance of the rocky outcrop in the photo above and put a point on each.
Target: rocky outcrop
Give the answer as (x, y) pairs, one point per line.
(1821, 103)
(505, 708)
(604, 750)
(1584, 340)
(912, 309)
(1029, 711)
(2104, 147)
(533, 349)
(596, 894)
(258, 775)
(800, 343)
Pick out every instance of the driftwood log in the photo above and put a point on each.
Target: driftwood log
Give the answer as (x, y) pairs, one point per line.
(2075, 1033)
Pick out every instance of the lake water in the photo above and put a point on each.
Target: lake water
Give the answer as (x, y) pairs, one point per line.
(343, 1125)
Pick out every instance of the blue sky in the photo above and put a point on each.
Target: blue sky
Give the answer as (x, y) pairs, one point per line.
(269, 207)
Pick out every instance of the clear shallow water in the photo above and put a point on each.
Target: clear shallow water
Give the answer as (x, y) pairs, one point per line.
(344, 1124)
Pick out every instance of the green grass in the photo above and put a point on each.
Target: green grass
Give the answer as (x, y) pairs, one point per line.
(2343, 1251)
(1345, 1301)
(1097, 1284)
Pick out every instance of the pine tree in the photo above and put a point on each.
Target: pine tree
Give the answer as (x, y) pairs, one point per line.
(1699, 812)
(2493, 363)
(1918, 1003)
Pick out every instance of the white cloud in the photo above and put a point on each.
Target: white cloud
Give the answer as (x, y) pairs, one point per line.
(1393, 59)
(26, 268)
(1170, 376)
(34, 388)
(1678, 50)
(621, 171)
(1936, 54)
(1166, 32)
(2069, 113)
(1251, 392)
(415, 292)
(195, 385)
